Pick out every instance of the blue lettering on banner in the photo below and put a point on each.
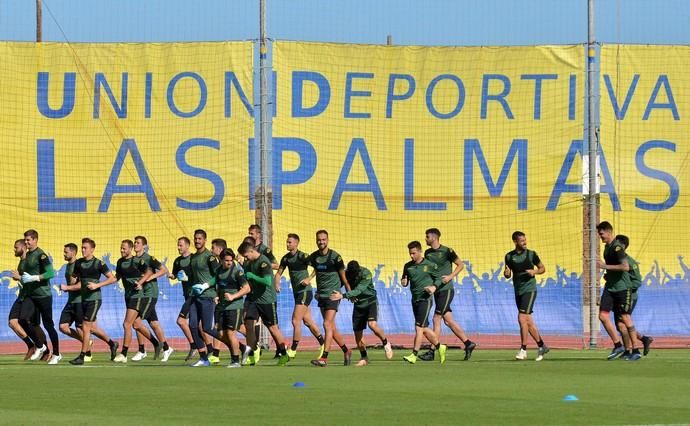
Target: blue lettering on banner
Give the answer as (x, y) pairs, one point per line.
(499, 97)
(357, 146)
(618, 110)
(391, 96)
(667, 178)
(410, 203)
(45, 176)
(662, 82)
(230, 82)
(68, 94)
(304, 171)
(299, 78)
(349, 93)
(213, 178)
(119, 108)
(538, 79)
(430, 94)
(202, 94)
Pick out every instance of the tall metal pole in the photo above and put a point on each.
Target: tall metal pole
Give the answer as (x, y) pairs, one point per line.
(264, 144)
(593, 187)
(39, 21)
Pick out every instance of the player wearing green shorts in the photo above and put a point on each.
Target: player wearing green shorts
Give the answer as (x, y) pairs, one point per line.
(296, 262)
(523, 264)
(424, 279)
(88, 271)
(231, 286)
(259, 273)
(366, 310)
(181, 271)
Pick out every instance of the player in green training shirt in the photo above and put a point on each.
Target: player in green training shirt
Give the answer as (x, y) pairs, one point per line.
(449, 266)
(259, 273)
(88, 271)
(329, 271)
(149, 283)
(204, 265)
(297, 261)
(636, 283)
(424, 279)
(18, 325)
(133, 273)
(523, 264)
(256, 233)
(181, 271)
(231, 286)
(73, 312)
(366, 310)
(38, 270)
(618, 284)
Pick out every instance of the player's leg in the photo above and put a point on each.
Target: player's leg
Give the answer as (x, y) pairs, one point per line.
(183, 323)
(67, 317)
(444, 306)
(27, 312)
(44, 305)
(13, 322)
(372, 323)
(194, 323)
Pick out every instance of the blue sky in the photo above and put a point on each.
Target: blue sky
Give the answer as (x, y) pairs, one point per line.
(423, 22)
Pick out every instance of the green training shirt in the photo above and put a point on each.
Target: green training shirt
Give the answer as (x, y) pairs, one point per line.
(419, 276)
(444, 258)
(297, 264)
(363, 292)
(150, 288)
(37, 263)
(519, 263)
(90, 271)
(204, 266)
(183, 263)
(614, 254)
(129, 270)
(72, 296)
(263, 249)
(262, 292)
(634, 274)
(230, 281)
(327, 267)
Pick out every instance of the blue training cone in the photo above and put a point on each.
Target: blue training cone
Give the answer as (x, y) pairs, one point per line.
(570, 398)
(301, 385)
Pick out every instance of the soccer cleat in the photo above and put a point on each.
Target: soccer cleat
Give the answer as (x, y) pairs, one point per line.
(615, 353)
(120, 358)
(245, 356)
(542, 351)
(113, 350)
(139, 356)
(88, 358)
(321, 362)
(411, 358)
(626, 356)
(54, 359)
(190, 354)
(363, 362)
(234, 365)
(646, 344)
(213, 359)
(388, 350)
(29, 353)
(166, 354)
(284, 359)
(347, 357)
(257, 356)
(321, 349)
(521, 355)
(202, 363)
(156, 352)
(468, 351)
(248, 360)
(635, 356)
(442, 353)
(39, 353)
(46, 355)
(276, 356)
(428, 355)
(291, 353)
(77, 361)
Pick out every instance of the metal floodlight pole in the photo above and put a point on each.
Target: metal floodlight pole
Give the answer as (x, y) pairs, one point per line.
(264, 144)
(39, 21)
(592, 194)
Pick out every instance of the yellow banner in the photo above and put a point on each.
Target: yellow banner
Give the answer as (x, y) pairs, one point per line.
(378, 143)
(111, 141)
(646, 146)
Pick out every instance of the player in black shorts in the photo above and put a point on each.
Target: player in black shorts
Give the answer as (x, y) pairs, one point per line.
(181, 271)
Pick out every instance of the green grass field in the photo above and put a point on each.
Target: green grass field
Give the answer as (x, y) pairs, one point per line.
(490, 389)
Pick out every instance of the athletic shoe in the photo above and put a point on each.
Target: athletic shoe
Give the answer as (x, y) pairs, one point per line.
(121, 359)
(615, 353)
(88, 358)
(468, 351)
(291, 353)
(388, 350)
(167, 353)
(626, 356)
(442, 353)
(347, 357)
(276, 356)
(321, 362)
(156, 352)
(284, 359)
(139, 356)
(363, 362)
(635, 356)
(521, 355)
(29, 353)
(113, 350)
(46, 355)
(411, 358)
(245, 355)
(234, 365)
(77, 361)
(213, 359)
(190, 354)
(542, 351)
(427, 356)
(647, 344)
(54, 359)
(321, 349)
(202, 363)
(39, 353)
(257, 356)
